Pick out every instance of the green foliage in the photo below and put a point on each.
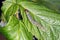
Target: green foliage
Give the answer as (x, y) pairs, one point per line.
(51, 4)
(25, 29)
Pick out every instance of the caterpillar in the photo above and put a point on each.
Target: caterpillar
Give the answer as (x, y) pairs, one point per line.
(34, 22)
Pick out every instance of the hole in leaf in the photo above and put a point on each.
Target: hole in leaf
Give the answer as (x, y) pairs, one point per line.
(18, 14)
(34, 38)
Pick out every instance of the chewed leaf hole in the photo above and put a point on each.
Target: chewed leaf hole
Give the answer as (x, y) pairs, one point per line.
(34, 38)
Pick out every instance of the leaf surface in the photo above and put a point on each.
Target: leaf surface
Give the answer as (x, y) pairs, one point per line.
(47, 18)
(51, 4)
(26, 28)
(15, 30)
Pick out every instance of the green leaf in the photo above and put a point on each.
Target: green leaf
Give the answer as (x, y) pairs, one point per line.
(9, 9)
(47, 18)
(52, 4)
(38, 21)
(31, 28)
(15, 30)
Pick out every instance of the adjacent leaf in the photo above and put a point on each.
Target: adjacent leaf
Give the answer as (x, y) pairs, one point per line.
(15, 30)
(9, 9)
(52, 4)
(26, 35)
